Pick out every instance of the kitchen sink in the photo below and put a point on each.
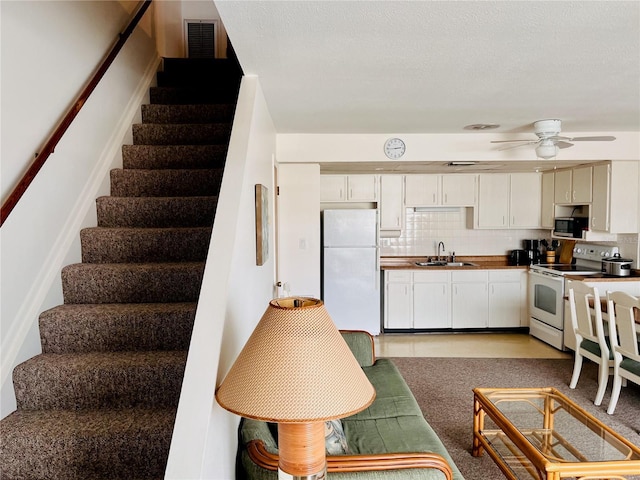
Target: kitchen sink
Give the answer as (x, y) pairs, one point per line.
(446, 264)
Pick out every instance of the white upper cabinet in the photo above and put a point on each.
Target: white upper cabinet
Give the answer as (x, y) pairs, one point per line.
(348, 188)
(547, 213)
(459, 190)
(391, 202)
(440, 190)
(525, 200)
(615, 198)
(422, 190)
(509, 200)
(573, 186)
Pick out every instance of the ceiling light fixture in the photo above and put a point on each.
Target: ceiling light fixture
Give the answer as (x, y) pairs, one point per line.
(547, 149)
(460, 164)
(482, 126)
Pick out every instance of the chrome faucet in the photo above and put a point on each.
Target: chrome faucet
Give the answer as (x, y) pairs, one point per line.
(439, 256)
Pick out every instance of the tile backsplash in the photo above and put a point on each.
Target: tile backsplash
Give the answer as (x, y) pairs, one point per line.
(423, 230)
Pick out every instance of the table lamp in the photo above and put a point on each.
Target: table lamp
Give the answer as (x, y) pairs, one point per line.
(296, 370)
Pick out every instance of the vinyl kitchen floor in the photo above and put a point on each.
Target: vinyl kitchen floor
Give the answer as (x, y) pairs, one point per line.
(468, 345)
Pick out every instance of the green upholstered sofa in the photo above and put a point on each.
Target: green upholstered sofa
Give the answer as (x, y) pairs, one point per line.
(390, 440)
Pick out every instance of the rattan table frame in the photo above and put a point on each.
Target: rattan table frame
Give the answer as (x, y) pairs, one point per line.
(529, 457)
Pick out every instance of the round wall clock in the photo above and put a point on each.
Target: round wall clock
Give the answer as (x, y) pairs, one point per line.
(394, 148)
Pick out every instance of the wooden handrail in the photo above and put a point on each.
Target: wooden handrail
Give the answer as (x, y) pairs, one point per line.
(52, 142)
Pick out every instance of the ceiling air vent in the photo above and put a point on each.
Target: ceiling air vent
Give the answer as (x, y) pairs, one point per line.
(201, 38)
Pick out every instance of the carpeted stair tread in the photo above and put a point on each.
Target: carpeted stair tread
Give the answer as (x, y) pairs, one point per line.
(192, 114)
(181, 133)
(76, 328)
(132, 283)
(143, 245)
(165, 183)
(86, 444)
(173, 156)
(156, 212)
(100, 380)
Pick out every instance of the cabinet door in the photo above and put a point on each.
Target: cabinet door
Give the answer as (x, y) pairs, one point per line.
(600, 207)
(398, 311)
(525, 200)
(581, 185)
(459, 190)
(362, 188)
(547, 212)
(504, 304)
(431, 305)
(493, 200)
(391, 202)
(469, 306)
(562, 187)
(421, 190)
(333, 188)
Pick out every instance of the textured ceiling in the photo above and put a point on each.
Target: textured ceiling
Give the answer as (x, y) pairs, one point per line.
(434, 67)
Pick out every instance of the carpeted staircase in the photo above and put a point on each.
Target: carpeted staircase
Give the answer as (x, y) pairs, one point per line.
(100, 401)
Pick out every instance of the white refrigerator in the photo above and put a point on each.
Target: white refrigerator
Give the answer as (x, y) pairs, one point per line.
(351, 269)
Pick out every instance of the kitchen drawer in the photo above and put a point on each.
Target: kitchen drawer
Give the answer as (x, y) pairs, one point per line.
(430, 277)
(505, 275)
(464, 276)
(398, 276)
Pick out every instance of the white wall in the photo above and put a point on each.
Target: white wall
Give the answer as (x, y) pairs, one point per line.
(49, 50)
(235, 293)
(299, 228)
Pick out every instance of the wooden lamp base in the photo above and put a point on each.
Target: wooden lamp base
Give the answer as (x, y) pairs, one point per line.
(302, 451)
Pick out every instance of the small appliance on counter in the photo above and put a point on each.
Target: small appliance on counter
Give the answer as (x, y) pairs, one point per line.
(616, 266)
(519, 257)
(533, 249)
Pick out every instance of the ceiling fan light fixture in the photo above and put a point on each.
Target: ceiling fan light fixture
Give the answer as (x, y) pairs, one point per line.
(547, 150)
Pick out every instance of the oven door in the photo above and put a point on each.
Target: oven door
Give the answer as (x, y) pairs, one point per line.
(546, 298)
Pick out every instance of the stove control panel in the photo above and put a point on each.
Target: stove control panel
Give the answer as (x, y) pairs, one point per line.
(593, 253)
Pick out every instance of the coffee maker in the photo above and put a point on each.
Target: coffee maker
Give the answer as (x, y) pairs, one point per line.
(533, 250)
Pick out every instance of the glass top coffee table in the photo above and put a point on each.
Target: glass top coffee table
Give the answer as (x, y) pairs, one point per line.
(539, 433)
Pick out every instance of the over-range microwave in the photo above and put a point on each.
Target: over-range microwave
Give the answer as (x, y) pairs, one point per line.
(571, 227)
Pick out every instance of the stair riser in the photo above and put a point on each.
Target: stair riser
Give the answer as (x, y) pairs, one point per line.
(104, 328)
(107, 245)
(166, 183)
(173, 156)
(147, 283)
(192, 95)
(156, 212)
(192, 114)
(68, 383)
(158, 134)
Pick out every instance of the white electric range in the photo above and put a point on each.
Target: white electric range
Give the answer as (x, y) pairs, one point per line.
(546, 290)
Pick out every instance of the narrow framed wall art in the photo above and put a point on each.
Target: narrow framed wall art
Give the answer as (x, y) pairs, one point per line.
(262, 224)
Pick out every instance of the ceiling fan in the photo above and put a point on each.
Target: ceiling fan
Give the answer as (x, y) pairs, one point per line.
(549, 140)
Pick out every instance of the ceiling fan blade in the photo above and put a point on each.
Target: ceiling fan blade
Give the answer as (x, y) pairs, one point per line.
(509, 147)
(512, 141)
(604, 138)
(562, 144)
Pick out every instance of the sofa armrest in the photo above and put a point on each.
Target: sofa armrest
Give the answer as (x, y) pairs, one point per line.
(358, 463)
(361, 345)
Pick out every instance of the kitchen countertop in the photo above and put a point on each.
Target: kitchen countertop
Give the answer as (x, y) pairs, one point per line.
(484, 262)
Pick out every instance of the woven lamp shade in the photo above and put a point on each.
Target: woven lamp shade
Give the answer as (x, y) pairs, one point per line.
(295, 368)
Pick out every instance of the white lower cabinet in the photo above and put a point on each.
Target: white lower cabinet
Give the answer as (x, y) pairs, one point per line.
(398, 308)
(456, 299)
(505, 298)
(431, 300)
(469, 300)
